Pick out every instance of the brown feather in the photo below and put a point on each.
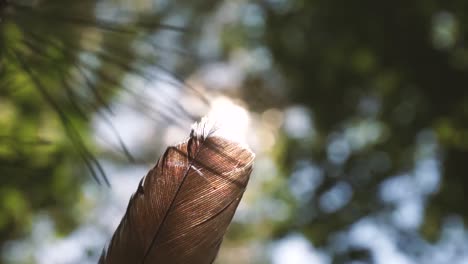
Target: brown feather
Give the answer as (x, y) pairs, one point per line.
(184, 205)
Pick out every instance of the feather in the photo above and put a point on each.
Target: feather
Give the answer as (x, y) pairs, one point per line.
(184, 205)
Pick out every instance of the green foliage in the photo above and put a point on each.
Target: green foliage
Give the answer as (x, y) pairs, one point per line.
(59, 65)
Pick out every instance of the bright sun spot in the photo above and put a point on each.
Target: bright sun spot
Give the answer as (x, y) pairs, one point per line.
(232, 119)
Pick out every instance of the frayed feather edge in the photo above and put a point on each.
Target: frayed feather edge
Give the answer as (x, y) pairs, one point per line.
(210, 127)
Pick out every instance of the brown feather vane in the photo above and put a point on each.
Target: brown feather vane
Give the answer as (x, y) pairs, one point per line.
(183, 206)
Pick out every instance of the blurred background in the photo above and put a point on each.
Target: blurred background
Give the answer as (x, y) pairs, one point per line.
(357, 111)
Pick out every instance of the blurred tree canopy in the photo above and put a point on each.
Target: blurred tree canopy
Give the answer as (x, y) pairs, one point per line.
(397, 68)
(400, 64)
(384, 85)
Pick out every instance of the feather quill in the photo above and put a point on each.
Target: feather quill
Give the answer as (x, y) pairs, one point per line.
(184, 205)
